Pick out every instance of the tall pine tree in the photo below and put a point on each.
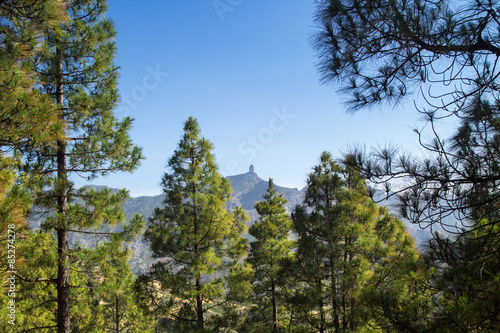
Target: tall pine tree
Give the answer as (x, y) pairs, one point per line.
(28, 119)
(27, 115)
(199, 240)
(346, 246)
(271, 247)
(76, 70)
(385, 51)
(117, 298)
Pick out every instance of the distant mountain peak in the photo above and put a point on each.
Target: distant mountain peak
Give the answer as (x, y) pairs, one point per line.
(246, 181)
(249, 188)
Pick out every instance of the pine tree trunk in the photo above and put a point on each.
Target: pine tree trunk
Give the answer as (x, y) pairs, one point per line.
(345, 322)
(321, 311)
(117, 318)
(199, 297)
(62, 282)
(334, 297)
(275, 306)
(63, 312)
(291, 318)
(199, 304)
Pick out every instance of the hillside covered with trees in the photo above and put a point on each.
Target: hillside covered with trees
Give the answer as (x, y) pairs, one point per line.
(240, 254)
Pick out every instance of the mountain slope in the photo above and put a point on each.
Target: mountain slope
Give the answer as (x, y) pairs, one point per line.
(248, 188)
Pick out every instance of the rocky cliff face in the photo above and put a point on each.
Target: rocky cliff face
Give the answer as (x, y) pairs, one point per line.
(249, 188)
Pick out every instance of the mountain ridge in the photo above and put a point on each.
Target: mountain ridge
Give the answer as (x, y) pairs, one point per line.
(248, 188)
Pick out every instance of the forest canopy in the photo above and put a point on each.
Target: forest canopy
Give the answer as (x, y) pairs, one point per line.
(338, 261)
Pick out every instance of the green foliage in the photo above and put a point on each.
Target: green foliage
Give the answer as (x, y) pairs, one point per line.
(412, 43)
(382, 50)
(449, 49)
(28, 116)
(34, 302)
(28, 120)
(14, 200)
(347, 248)
(396, 296)
(198, 239)
(59, 84)
(354, 267)
(271, 247)
(116, 295)
(466, 278)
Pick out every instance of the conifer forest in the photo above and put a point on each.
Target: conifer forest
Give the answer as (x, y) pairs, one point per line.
(339, 260)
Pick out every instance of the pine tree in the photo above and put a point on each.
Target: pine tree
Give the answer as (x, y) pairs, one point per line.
(27, 116)
(384, 51)
(466, 282)
(199, 240)
(271, 247)
(28, 120)
(117, 297)
(35, 254)
(395, 296)
(345, 244)
(76, 70)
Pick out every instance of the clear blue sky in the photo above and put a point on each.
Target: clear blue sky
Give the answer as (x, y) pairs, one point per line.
(246, 71)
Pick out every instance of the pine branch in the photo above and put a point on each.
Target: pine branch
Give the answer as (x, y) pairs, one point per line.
(35, 279)
(92, 232)
(39, 328)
